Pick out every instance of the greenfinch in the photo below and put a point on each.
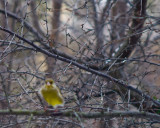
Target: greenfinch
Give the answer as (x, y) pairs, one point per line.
(51, 93)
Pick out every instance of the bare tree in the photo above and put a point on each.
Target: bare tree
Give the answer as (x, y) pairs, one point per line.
(103, 55)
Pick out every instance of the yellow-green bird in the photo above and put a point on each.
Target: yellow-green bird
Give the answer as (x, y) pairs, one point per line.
(51, 93)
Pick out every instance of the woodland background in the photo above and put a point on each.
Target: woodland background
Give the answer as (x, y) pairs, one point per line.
(104, 55)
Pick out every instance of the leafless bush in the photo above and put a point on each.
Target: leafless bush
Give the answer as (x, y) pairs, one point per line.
(103, 54)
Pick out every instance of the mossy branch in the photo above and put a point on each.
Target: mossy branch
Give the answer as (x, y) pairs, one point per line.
(117, 114)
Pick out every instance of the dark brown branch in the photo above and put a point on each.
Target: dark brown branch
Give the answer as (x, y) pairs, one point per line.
(57, 4)
(136, 27)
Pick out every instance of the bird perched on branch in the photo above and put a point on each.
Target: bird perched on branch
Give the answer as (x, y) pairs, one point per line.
(51, 93)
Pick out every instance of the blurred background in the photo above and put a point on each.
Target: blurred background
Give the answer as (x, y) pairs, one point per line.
(79, 43)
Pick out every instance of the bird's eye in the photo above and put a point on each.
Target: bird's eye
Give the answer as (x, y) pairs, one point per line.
(51, 82)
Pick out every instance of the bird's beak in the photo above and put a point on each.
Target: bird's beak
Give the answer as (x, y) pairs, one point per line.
(48, 83)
